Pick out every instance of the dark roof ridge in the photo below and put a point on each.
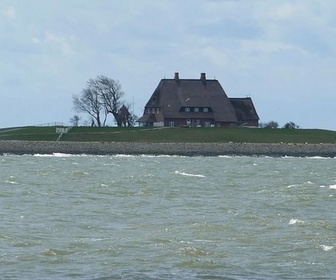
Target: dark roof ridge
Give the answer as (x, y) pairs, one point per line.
(165, 79)
(240, 98)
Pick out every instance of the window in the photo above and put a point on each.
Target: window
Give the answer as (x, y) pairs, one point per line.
(171, 124)
(196, 109)
(205, 109)
(153, 110)
(187, 109)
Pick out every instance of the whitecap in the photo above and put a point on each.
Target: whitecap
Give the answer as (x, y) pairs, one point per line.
(146, 156)
(189, 174)
(295, 221)
(318, 157)
(332, 187)
(123, 156)
(162, 156)
(12, 182)
(327, 248)
(62, 155)
(53, 155)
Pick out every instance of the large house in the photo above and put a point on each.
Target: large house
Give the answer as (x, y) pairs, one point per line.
(196, 102)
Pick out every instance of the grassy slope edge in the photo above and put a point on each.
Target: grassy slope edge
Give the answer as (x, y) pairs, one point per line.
(173, 135)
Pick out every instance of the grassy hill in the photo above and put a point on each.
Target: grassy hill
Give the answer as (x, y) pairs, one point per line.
(160, 135)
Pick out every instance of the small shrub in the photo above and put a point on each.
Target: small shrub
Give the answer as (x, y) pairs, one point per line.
(291, 125)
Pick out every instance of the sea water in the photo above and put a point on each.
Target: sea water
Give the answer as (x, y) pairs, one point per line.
(161, 217)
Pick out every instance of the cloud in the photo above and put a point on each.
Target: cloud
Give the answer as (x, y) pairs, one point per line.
(8, 12)
(306, 25)
(55, 42)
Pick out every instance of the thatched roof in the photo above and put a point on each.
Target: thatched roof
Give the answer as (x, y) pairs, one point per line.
(151, 118)
(245, 110)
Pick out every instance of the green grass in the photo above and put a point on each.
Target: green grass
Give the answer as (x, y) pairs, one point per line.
(33, 133)
(159, 135)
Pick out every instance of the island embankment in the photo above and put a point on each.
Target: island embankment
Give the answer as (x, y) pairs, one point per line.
(184, 149)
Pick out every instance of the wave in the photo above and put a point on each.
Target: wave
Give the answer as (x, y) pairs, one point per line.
(319, 157)
(11, 182)
(146, 156)
(55, 155)
(56, 252)
(292, 186)
(306, 157)
(116, 155)
(226, 156)
(326, 247)
(295, 221)
(189, 174)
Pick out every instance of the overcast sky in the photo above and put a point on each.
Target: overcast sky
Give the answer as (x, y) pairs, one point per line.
(281, 53)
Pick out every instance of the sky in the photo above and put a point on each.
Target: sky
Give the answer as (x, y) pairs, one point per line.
(282, 54)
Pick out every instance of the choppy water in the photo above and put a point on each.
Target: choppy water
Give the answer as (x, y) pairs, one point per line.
(143, 217)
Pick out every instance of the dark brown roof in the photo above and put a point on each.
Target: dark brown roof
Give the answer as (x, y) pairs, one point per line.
(244, 109)
(172, 94)
(123, 111)
(149, 119)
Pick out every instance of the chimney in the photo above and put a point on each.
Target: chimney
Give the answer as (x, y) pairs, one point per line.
(203, 77)
(176, 77)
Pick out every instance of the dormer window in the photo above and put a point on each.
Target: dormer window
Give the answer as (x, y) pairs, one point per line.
(195, 109)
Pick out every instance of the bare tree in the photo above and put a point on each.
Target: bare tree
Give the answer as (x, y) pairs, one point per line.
(110, 94)
(74, 121)
(89, 102)
(101, 97)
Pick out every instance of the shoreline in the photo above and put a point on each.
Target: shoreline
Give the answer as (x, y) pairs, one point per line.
(183, 149)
